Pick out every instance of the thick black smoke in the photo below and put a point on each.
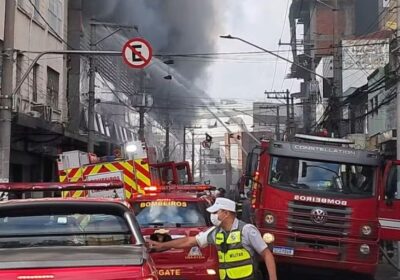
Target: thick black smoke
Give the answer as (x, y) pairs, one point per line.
(173, 26)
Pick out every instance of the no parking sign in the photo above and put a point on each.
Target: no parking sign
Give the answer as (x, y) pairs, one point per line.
(137, 53)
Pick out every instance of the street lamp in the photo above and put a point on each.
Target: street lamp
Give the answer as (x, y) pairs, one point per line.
(274, 54)
(131, 147)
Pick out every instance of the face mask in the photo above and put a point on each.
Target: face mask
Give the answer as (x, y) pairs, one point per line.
(214, 220)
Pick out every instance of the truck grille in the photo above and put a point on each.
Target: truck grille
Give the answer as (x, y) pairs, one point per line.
(314, 218)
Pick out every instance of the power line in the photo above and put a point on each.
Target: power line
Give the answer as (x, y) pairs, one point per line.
(283, 29)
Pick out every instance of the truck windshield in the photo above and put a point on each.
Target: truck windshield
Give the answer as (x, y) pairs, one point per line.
(322, 176)
(170, 213)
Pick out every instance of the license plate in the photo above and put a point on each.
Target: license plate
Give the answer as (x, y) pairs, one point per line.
(286, 251)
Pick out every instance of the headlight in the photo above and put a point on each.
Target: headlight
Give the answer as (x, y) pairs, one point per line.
(364, 249)
(366, 230)
(269, 219)
(211, 272)
(268, 238)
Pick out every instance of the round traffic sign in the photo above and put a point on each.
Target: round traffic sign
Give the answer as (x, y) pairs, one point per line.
(137, 53)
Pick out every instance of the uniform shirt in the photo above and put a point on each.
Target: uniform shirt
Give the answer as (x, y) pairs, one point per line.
(251, 238)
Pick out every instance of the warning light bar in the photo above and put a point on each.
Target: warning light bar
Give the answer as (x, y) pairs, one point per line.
(55, 186)
(179, 188)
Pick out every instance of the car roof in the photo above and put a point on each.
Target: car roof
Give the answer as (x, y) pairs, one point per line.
(58, 200)
(183, 196)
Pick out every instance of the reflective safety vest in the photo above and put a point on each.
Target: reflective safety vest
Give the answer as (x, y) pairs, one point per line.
(235, 261)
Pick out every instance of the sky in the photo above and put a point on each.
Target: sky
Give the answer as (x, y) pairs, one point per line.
(246, 77)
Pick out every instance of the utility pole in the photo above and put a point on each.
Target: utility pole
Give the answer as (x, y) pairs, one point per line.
(141, 123)
(277, 119)
(283, 95)
(166, 148)
(184, 144)
(336, 112)
(92, 77)
(184, 141)
(144, 102)
(200, 164)
(278, 124)
(6, 92)
(398, 117)
(193, 156)
(228, 162)
(292, 123)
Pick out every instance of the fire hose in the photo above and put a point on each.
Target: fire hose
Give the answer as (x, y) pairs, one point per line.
(389, 259)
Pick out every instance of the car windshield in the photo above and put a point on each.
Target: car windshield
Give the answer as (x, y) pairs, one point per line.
(322, 176)
(171, 213)
(63, 229)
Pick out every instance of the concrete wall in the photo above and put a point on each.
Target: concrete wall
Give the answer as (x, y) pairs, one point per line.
(384, 117)
(32, 34)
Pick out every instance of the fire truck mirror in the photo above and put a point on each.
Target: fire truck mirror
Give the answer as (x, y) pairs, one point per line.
(251, 166)
(304, 169)
(391, 185)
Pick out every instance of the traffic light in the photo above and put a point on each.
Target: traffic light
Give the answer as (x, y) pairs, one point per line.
(208, 138)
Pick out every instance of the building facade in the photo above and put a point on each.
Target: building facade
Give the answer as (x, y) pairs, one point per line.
(40, 105)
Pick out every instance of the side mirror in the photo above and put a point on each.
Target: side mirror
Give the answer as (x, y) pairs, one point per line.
(391, 185)
(251, 166)
(304, 167)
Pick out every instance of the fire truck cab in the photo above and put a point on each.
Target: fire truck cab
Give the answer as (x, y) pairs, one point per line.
(175, 211)
(324, 205)
(171, 173)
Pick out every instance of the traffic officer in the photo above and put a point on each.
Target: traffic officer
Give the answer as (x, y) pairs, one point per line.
(237, 243)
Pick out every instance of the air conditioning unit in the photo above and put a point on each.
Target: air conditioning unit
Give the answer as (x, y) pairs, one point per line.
(34, 114)
(45, 111)
(56, 116)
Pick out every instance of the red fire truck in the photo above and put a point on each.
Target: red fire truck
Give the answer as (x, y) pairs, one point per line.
(175, 211)
(171, 173)
(324, 205)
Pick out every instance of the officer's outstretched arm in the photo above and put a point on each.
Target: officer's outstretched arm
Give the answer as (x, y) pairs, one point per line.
(270, 263)
(179, 243)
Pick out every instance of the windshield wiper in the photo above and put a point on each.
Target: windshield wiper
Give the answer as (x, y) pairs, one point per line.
(294, 185)
(153, 224)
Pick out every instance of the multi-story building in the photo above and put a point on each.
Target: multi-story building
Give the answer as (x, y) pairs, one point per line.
(40, 106)
(325, 25)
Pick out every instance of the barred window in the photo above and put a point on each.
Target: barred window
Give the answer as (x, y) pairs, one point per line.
(53, 79)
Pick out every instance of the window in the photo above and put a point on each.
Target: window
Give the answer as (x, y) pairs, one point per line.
(35, 74)
(322, 177)
(69, 229)
(52, 88)
(377, 104)
(55, 15)
(393, 184)
(171, 213)
(36, 9)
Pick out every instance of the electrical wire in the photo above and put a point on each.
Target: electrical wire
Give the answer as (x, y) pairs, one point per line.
(373, 88)
(283, 29)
